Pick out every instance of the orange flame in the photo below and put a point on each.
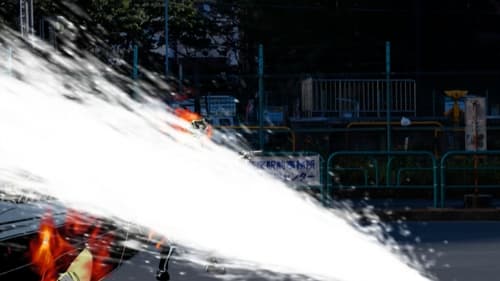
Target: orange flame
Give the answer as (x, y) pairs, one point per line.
(77, 223)
(51, 254)
(100, 245)
(187, 114)
(160, 243)
(190, 116)
(47, 248)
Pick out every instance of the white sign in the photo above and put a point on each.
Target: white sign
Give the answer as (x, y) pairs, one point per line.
(295, 170)
(475, 123)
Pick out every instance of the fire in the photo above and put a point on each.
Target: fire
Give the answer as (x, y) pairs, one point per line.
(100, 244)
(196, 120)
(51, 254)
(187, 115)
(47, 248)
(159, 241)
(77, 223)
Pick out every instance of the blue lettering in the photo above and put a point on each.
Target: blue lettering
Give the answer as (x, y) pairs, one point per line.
(310, 164)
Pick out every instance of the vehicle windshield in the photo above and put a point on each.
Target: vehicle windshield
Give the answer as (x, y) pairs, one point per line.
(249, 140)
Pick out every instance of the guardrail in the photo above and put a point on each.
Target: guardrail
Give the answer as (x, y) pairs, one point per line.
(393, 176)
(388, 183)
(444, 168)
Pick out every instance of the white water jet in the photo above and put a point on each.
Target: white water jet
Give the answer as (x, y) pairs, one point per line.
(125, 161)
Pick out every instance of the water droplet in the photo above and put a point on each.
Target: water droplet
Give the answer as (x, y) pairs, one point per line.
(405, 233)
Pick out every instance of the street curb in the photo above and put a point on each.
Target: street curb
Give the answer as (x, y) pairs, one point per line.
(435, 214)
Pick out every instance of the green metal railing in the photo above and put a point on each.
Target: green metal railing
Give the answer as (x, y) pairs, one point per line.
(391, 155)
(439, 187)
(444, 169)
(406, 169)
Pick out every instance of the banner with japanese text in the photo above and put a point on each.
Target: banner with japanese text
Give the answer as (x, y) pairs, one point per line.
(295, 170)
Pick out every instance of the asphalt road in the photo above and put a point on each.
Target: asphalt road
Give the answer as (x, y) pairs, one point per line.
(458, 250)
(181, 268)
(452, 251)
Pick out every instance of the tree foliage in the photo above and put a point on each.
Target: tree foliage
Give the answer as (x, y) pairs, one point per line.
(298, 35)
(121, 23)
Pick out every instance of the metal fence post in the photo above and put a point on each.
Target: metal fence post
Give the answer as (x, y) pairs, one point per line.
(388, 92)
(261, 97)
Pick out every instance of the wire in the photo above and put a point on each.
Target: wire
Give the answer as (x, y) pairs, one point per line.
(123, 250)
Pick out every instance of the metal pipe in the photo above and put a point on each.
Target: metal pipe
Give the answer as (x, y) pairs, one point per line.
(379, 123)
